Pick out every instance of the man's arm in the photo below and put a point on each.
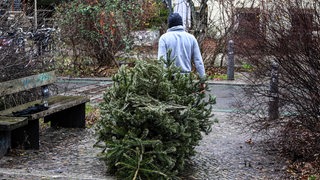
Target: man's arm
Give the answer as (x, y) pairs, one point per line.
(199, 66)
(197, 58)
(162, 51)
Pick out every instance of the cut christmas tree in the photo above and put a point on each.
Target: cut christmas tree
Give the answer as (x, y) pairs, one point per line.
(152, 117)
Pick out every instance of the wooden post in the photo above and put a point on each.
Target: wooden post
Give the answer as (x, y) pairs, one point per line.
(274, 94)
(230, 67)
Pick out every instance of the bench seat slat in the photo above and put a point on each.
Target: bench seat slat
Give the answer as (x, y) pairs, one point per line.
(10, 123)
(56, 104)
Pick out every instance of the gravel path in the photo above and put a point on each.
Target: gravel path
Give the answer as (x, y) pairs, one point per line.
(63, 154)
(226, 153)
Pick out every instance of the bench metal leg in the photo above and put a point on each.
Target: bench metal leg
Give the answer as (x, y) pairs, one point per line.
(5, 142)
(27, 136)
(73, 117)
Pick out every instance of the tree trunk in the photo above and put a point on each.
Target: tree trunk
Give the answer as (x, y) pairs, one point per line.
(199, 18)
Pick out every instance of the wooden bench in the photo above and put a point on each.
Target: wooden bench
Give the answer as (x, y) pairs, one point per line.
(62, 111)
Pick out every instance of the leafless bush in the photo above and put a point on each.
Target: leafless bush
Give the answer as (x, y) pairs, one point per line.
(214, 23)
(288, 36)
(22, 54)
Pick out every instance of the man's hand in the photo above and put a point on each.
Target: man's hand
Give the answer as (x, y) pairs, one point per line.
(202, 87)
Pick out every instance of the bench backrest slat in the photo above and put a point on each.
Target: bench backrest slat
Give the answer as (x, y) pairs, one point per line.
(26, 83)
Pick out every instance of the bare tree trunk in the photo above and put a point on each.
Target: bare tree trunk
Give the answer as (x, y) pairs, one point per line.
(199, 18)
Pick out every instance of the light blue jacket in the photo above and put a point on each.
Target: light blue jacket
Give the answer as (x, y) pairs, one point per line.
(184, 48)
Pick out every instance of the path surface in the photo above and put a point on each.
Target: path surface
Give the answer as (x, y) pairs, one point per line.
(226, 153)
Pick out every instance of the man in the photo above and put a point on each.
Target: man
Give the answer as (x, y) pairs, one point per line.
(184, 47)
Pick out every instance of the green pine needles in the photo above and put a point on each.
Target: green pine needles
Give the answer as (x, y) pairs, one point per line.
(151, 120)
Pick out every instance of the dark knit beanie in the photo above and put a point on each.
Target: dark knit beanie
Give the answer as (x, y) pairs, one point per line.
(174, 20)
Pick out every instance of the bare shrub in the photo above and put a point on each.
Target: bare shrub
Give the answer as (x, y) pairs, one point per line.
(290, 39)
(93, 32)
(19, 50)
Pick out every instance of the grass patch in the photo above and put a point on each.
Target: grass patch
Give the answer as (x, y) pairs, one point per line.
(92, 115)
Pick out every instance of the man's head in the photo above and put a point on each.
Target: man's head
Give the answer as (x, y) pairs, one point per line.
(174, 20)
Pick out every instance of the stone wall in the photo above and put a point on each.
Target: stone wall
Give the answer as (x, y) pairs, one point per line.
(146, 37)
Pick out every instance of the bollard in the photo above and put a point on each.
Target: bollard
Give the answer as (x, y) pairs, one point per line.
(274, 95)
(230, 67)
